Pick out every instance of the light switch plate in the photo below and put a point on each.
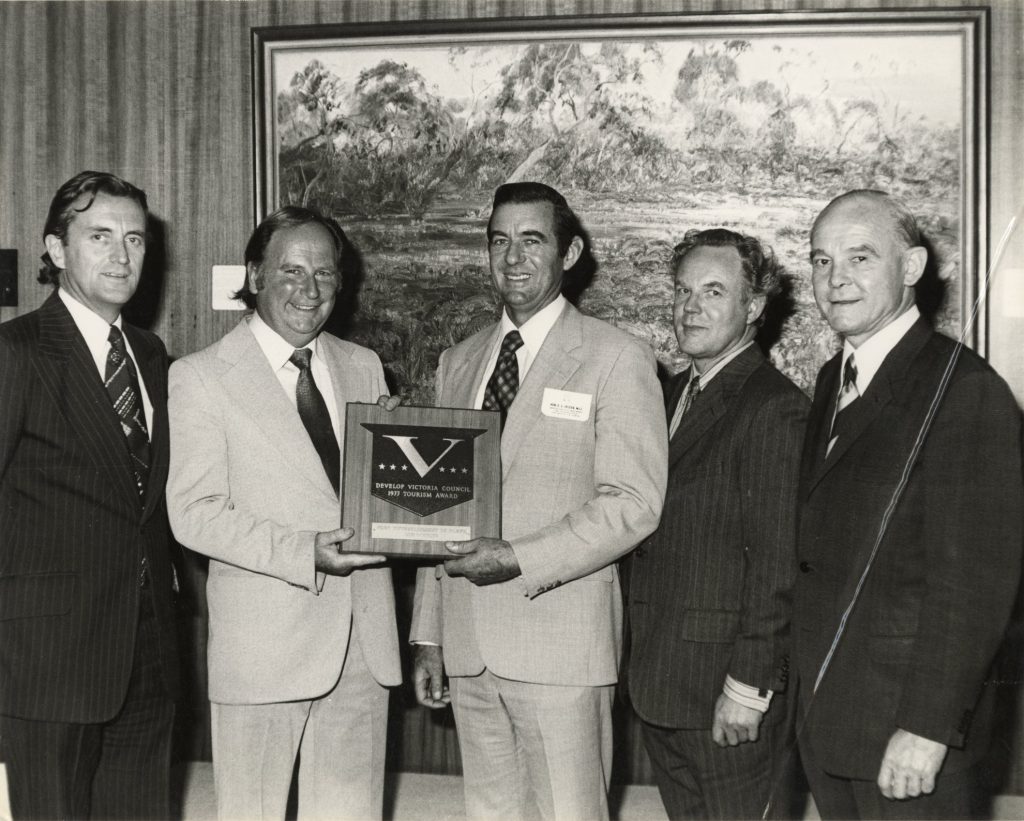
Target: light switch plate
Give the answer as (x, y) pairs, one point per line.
(226, 280)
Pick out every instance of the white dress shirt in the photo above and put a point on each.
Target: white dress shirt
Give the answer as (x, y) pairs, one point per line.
(96, 332)
(873, 351)
(278, 352)
(534, 331)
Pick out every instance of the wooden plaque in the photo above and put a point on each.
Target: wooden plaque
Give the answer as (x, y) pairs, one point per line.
(415, 478)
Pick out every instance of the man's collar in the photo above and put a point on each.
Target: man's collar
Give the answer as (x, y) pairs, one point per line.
(535, 330)
(872, 352)
(719, 366)
(85, 317)
(276, 348)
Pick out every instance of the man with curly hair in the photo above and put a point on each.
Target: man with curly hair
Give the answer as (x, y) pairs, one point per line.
(709, 592)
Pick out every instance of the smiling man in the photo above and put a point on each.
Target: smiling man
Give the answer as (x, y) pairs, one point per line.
(88, 655)
(528, 627)
(898, 723)
(301, 648)
(709, 591)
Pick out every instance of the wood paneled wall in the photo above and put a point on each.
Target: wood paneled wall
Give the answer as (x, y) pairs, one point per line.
(159, 92)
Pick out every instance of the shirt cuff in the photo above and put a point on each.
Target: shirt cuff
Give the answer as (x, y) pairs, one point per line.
(427, 643)
(746, 695)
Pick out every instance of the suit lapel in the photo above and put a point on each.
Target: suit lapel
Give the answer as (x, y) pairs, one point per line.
(153, 370)
(256, 390)
(553, 366)
(467, 375)
(69, 371)
(887, 383)
(712, 402)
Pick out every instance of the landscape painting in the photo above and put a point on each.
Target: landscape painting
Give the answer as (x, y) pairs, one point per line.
(649, 129)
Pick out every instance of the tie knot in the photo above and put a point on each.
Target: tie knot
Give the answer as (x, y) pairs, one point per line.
(300, 358)
(512, 342)
(116, 339)
(849, 373)
(695, 385)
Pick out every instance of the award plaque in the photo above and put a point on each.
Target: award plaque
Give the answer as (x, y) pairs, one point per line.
(415, 478)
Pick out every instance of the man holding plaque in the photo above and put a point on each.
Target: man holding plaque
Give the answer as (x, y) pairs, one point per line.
(528, 627)
(301, 648)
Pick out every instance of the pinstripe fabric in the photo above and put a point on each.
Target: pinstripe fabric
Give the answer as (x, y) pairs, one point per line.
(709, 591)
(917, 648)
(73, 534)
(732, 782)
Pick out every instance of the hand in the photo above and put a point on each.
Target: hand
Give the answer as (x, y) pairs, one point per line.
(389, 403)
(910, 765)
(734, 723)
(328, 558)
(428, 676)
(484, 561)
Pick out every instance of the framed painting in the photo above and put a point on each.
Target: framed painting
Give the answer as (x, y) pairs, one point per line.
(650, 125)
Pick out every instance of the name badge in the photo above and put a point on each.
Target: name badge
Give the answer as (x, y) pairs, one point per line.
(566, 405)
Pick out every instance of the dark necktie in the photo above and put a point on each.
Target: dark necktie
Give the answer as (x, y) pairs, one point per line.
(314, 415)
(122, 384)
(847, 394)
(692, 389)
(504, 382)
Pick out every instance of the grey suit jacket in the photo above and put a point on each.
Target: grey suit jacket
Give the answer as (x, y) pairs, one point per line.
(576, 495)
(247, 489)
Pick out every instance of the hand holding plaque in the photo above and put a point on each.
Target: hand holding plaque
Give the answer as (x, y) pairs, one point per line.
(415, 478)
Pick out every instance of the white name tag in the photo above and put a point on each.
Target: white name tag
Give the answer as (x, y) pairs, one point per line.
(566, 405)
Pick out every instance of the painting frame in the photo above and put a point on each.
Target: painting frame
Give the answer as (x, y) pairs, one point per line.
(970, 24)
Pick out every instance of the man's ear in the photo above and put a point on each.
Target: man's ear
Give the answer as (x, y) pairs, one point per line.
(756, 308)
(572, 254)
(55, 248)
(914, 261)
(253, 277)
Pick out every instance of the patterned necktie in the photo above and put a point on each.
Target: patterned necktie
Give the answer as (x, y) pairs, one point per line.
(692, 389)
(316, 419)
(847, 394)
(504, 382)
(122, 384)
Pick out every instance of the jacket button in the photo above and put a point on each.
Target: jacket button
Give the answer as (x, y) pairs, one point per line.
(639, 552)
(805, 567)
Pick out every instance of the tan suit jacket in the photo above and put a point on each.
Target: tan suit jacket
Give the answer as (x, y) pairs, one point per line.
(247, 489)
(576, 495)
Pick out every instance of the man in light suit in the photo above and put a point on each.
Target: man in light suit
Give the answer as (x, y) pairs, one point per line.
(88, 652)
(528, 626)
(709, 591)
(893, 647)
(302, 637)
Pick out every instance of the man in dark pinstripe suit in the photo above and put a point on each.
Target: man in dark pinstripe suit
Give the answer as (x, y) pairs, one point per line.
(88, 657)
(709, 593)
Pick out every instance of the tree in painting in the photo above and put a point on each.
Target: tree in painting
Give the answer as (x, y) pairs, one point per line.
(646, 138)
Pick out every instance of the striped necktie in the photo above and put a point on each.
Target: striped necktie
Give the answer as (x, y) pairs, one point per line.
(847, 394)
(122, 384)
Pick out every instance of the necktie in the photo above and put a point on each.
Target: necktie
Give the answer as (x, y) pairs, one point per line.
(504, 382)
(847, 394)
(692, 389)
(122, 384)
(315, 418)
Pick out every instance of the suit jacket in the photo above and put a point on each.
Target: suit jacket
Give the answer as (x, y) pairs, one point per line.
(72, 529)
(932, 612)
(710, 590)
(576, 495)
(247, 489)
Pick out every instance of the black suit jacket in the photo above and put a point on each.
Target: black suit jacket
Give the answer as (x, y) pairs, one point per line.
(72, 527)
(709, 591)
(934, 607)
